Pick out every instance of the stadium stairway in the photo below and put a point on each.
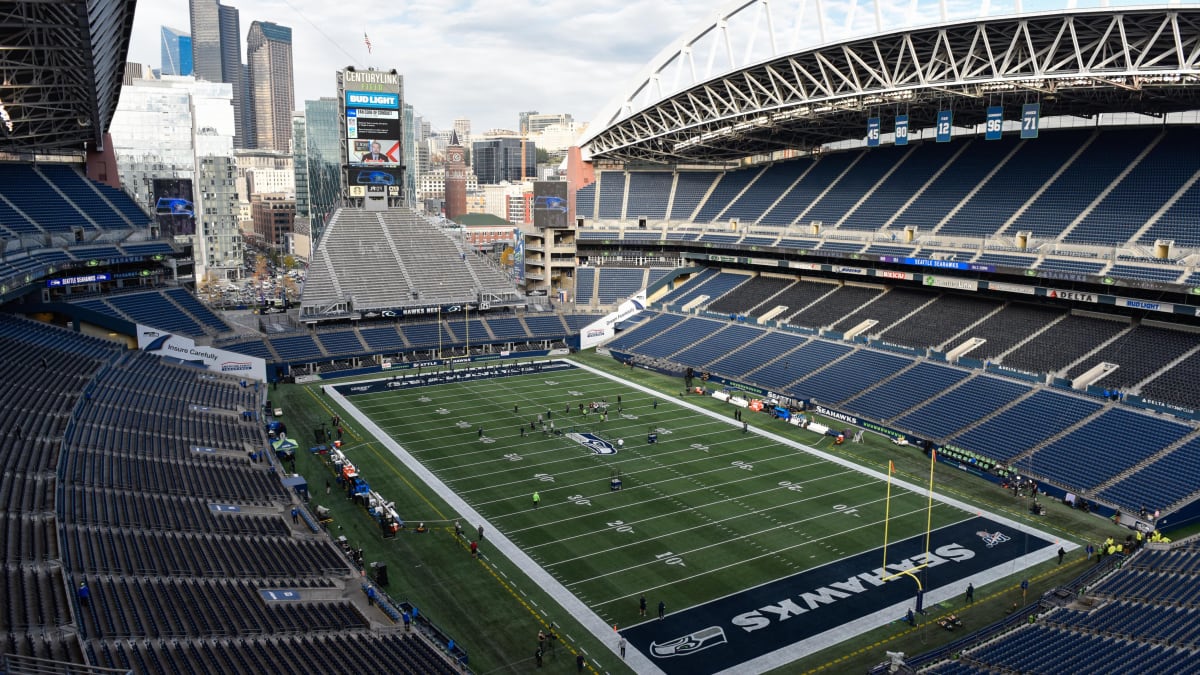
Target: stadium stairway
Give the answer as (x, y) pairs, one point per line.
(1166, 207)
(882, 330)
(947, 390)
(828, 367)
(889, 378)
(866, 195)
(1079, 218)
(387, 236)
(735, 197)
(1045, 187)
(1065, 432)
(965, 333)
(1032, 336)
(971, 193)
(1099, 348)
(1137, 389)
(1146, 462)
(997, 412)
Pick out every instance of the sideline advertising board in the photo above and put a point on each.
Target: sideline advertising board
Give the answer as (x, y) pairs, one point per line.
(185, 349)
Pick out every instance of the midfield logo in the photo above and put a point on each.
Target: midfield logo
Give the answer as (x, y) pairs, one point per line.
(594, 443)
(993, 538)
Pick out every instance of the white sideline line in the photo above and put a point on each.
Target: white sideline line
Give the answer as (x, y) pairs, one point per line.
(635, 658)
(598, 627)
(919, 489)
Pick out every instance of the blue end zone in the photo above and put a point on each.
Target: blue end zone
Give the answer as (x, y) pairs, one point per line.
(471, 373)
(738, 628)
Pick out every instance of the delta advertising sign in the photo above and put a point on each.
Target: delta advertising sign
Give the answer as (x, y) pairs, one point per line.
(185, 349)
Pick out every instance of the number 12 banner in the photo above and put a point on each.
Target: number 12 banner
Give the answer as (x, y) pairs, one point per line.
(944, 119)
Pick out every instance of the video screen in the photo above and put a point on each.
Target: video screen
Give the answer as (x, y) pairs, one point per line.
(174, 210)
(374, 151)
(550, 206)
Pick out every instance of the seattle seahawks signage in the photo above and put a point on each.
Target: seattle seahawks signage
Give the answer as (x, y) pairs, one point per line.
(801, 613)
(594, 443)
(467, 374)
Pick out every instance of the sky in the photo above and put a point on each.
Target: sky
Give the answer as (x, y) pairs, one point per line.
(485, 60)
(488, 60)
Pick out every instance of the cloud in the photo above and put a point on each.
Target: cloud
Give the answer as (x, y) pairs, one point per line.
(482, 59)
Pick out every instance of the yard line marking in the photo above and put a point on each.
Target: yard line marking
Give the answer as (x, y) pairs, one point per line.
(839, 533)
(747, 514)
(602, 512)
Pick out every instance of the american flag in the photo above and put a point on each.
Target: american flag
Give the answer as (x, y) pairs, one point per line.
(367, 41)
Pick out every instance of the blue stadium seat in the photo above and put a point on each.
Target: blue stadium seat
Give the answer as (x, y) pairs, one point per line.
(690, 188)
(612, 194)
(649, 192)
(961, 406)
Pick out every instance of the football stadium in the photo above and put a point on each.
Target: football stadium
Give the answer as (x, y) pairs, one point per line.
(852, 340)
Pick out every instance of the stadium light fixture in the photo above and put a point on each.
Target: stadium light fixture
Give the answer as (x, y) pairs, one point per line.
(6, 125)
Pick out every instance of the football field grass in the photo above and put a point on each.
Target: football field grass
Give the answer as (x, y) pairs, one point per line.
(708, 511)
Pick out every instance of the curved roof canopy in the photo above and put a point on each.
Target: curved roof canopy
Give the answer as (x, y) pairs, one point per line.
(61, 68)
(764, 98)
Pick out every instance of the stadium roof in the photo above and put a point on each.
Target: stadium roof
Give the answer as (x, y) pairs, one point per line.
(754, 80)
(61, 67)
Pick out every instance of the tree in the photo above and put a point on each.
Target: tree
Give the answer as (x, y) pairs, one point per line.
(209, 288)
(543, 156)
(289, 262)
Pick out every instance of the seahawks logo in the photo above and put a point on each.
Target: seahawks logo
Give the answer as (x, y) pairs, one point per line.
(689, 644)
(594, 443)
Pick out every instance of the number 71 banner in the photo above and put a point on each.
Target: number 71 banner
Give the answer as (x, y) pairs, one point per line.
(1030, 118)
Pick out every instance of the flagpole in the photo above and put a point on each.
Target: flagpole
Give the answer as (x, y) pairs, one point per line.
(929, 509)
(887, 510)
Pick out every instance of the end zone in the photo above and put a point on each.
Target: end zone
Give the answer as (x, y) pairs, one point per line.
(778, 622)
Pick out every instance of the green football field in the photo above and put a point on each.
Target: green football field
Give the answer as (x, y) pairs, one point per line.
(707, 511)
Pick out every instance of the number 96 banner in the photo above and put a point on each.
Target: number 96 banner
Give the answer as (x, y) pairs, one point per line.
(995, 123)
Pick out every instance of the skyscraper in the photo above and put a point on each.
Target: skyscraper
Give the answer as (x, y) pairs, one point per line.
(231, 71)
(462, 127)
(176, 52)
(206, 40)
(323, 129)
(300, 162)
(272, 95)
(499, 159)
(174, 138)
(216, 53)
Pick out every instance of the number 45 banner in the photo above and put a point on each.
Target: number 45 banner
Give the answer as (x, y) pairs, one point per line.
(1030, 118)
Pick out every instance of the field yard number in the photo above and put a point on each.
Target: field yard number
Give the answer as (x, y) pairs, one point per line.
(670, 559)
(744, 466)
(846, 509)
(513, 457)
(699, 446)
(620, 526)
(544, 477)
(579, 499)
(794, 487)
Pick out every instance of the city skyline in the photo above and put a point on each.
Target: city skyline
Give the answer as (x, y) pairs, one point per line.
(583, 58)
